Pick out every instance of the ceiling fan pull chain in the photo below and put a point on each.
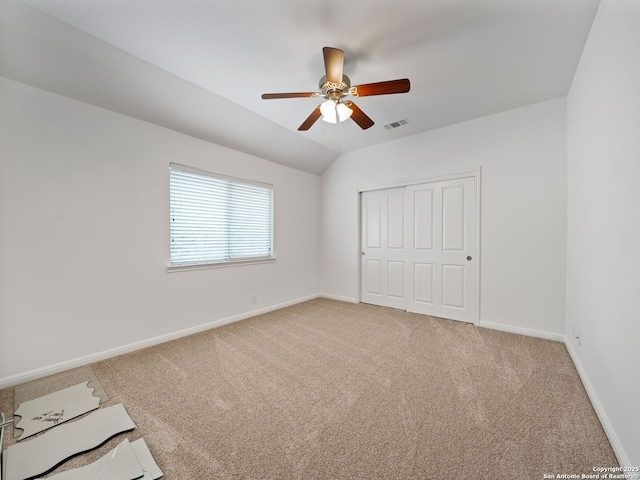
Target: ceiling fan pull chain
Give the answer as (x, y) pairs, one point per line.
(339, 137)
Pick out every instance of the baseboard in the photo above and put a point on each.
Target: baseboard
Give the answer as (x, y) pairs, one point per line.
(330, 296)
(529, 332)
(114, 352)
(616, 445)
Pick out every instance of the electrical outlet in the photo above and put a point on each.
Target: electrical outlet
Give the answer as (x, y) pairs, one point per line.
(576, 333)
(254, 298)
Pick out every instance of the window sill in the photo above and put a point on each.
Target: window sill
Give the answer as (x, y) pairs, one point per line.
(228, 263)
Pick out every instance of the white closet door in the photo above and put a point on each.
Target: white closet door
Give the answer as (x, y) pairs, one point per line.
(441, 261)
(384, 245)
(419, 248)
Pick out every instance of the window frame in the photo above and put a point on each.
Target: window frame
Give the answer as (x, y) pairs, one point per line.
(228, 262)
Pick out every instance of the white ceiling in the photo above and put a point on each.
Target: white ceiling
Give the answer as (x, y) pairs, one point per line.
(199, 67)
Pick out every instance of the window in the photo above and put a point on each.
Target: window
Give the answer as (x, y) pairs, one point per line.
(215, 219)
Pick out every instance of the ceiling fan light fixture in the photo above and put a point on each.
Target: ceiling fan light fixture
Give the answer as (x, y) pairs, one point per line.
(344, 112)
(330, 108)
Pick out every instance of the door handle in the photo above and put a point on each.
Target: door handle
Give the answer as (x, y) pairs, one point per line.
(362, 253)
(469, 258)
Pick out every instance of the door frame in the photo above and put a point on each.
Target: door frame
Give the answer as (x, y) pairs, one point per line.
(473, 172)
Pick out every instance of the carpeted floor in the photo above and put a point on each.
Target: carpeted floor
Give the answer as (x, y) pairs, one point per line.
(331, 390)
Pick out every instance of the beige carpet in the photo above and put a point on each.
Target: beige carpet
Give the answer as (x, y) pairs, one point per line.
(330, 390)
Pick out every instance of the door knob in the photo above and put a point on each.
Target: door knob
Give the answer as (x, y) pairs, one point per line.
(362, 253)
(469, 258)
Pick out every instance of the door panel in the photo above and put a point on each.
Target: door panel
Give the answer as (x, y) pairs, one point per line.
(423, 283)
(453, 286)
(372, 278)
(395, 279)
(374, 221)
(453, 223)
(383, 259)
(395, 220)
(423, 219)
(453, 218)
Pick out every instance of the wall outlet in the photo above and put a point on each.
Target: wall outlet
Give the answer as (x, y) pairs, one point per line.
(254, 298)
(576, 333)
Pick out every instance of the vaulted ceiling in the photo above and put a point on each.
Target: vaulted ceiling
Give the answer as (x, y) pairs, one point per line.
(200, 67)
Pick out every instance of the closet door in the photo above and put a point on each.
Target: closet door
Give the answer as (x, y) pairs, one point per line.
(383, 248)
(441, 255)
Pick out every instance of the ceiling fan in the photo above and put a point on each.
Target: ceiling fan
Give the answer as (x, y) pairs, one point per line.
(334, 86)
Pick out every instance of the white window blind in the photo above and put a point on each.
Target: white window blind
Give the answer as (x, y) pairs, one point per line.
(216, 219)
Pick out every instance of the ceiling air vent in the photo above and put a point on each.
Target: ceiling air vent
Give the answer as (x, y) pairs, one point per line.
(397, 124)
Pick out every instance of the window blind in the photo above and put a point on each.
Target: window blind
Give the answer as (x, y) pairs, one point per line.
(215, 218)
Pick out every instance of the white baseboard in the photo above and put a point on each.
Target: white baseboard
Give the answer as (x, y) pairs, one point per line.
(529, 332)
(618, 449)
(114, 352)
(330, 296)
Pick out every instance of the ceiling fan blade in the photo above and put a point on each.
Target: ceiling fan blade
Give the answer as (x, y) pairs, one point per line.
(382, 88)
(359, 116)
(311, 119)
(333, 64)
(270, 96)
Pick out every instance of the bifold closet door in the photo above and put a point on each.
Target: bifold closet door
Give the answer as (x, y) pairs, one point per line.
(383, 248)
(441, 261)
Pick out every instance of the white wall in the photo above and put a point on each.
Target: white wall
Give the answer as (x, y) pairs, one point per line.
(523, 205)
(84, 234)
(603, 261)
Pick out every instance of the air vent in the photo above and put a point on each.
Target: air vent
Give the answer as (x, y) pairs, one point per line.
(397, 124)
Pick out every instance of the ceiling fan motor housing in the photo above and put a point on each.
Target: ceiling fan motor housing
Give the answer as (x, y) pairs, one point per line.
(327, 88)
